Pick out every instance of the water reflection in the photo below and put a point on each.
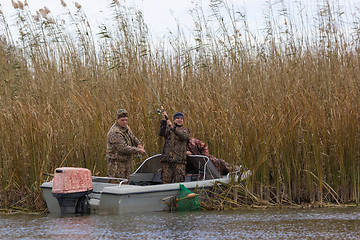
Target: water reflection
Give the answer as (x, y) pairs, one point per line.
(342, 223)
(66, 227)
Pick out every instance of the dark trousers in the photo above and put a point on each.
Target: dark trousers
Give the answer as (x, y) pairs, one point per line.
(173, 172)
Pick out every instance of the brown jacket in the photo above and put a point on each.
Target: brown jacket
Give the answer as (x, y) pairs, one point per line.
(174, 150)
(121, 143)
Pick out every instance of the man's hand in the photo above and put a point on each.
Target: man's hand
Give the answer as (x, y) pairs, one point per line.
(141, 149)
(165, 117)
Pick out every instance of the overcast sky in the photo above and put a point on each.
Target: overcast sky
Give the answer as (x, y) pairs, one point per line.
(160, 14)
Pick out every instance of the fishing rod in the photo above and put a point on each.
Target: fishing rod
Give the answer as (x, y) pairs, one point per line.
(159, 111)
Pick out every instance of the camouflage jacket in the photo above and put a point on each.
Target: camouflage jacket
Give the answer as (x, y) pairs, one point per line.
(197, 147)
(121, 143)
(175, 143)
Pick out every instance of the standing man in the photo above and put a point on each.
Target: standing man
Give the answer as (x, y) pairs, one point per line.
(173, 159)
(121, 145)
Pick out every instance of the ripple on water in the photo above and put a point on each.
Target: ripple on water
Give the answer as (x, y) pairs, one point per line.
(342, 223)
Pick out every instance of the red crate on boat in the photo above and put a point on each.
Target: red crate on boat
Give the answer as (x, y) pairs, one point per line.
(72, 180)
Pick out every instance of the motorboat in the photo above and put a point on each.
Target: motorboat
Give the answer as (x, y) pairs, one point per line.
(74, 190)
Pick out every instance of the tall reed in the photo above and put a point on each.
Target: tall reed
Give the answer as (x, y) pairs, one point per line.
(281, 102)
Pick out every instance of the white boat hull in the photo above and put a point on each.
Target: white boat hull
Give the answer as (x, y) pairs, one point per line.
(112, 198)
(124, 198)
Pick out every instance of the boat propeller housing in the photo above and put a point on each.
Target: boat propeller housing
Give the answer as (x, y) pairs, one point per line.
(71, 187)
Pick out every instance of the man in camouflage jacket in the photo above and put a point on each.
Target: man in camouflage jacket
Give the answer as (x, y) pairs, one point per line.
(173, 159)
(197, 147)
(121, 145)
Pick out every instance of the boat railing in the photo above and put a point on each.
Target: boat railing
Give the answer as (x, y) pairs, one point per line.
(106, 179)
(206, 159)
(206, 168)
(123, 181)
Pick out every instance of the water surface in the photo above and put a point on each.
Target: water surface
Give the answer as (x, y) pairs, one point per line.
(327, 223)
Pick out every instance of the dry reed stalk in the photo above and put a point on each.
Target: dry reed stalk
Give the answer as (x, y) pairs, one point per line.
(283, 105)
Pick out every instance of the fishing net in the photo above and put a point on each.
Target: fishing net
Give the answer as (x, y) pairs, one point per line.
(187, 201)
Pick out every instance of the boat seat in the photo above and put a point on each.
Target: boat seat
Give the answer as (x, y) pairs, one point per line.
(156, 178)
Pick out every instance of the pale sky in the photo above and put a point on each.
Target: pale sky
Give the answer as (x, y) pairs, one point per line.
(160, 14)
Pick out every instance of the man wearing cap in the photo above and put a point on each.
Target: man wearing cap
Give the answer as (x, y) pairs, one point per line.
(121, 145)
(173, 159)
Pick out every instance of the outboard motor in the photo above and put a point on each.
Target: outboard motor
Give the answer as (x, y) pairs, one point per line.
(71, 187)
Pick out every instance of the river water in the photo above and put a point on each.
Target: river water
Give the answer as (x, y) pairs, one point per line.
(321, 223)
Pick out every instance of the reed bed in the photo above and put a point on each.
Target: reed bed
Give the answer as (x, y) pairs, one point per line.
(283, 103)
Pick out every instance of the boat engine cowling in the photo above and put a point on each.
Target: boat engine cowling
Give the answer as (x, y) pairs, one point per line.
(71, 187)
